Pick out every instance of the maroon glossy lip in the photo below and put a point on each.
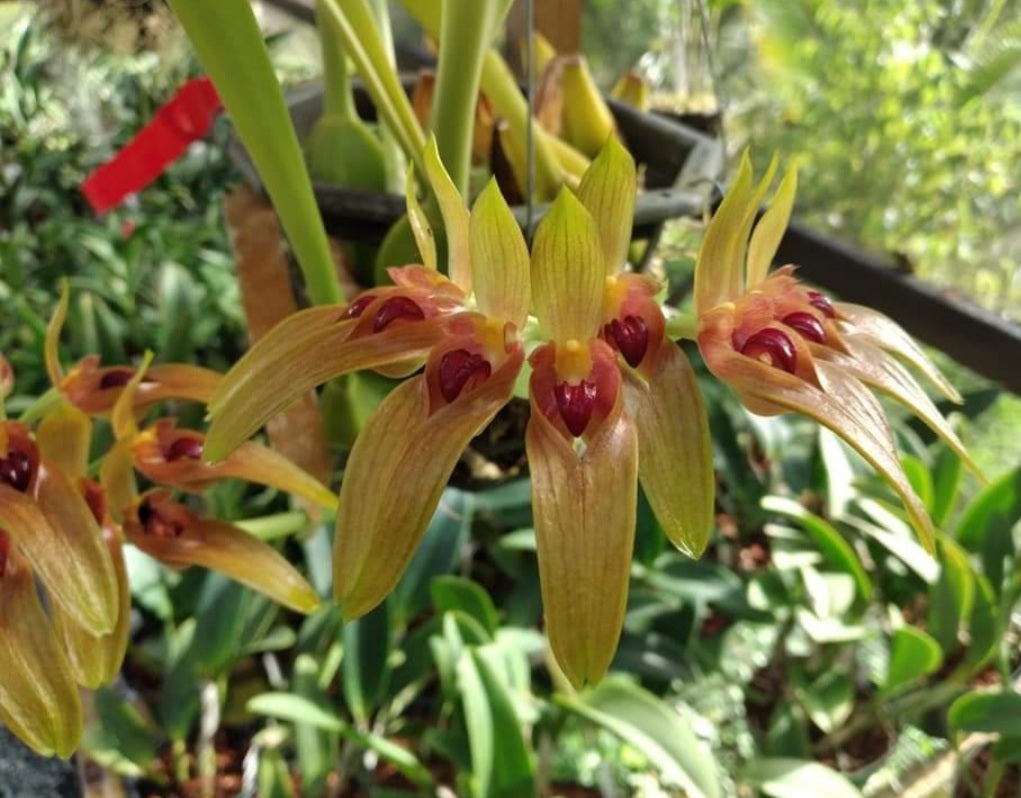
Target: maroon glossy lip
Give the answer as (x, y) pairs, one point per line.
(575, 403)
(630, 336)
(459, 369)
(774, 347)
(807, 325)
(16, 470)
(394, 309)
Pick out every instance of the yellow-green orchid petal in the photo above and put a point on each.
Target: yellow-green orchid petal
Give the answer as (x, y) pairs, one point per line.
(38, 697)
(584, 509)
(882, 371)
(122, 418)
(719, 255)
(6, 378)
(411, 451)
(455, 217)
(676, 456)
(74, 553)
(174, 535)
(608, 190)
(117, 477)
(568, 271)
(172, 457)
(51, 344)
(425, 240)
(889, 335)
(96, 659)
(499, 258)
(769, 231)
(63, 437)
(840, 403)
(284, 365)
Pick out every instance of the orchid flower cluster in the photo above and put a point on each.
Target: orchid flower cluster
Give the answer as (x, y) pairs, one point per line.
(614, 404)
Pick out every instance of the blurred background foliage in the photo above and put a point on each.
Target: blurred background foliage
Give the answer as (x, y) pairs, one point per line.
(815, 638)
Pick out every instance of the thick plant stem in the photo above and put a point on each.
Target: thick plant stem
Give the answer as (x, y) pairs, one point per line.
(337, 99)
(396, 163)
(229, 45)
(466, 28)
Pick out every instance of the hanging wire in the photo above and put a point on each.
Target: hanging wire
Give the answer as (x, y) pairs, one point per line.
(714, 75)
(529, 132)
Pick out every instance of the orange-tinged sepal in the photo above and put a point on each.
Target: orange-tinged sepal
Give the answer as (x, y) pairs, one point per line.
(38, 697)
(608, 190)
(171, 533)
(584, 510)
(499, 258)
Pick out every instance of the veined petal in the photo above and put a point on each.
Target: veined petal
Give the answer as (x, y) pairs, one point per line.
(842, 404)
(568, 271)
(882, 371)
(767, 234)
(259, 387)
(425, 240)
(75, 553)
(117, 476)
(608, 190)
(398, 468)
(889, 335)
(174, 457)
(70, 561)
(455, 217)
(38, 697)
(171, 533)
(675, 461)
(96, 659)
(584, 509)
(6, 378)
(719, 255)
(51, 344)
(63, 437)
(499, 258)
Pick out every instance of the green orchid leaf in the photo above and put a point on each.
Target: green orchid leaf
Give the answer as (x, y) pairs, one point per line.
(230, 47)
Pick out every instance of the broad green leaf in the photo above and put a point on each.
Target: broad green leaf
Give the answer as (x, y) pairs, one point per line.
(220, 613)
(919, 476)
(998, 712)
(788, 732)
(913, 654)
(984, 625)
(834, 548)
(439, 552)
(296, 709)
(230, 47)
(795, 778)
(121, 727)
(457, 593)
(986, 526)
(317, 750)
(367, 642)
(654, 728)
(828, 700)
(274, 777)
(951, 598)
(501, 764)
(947, 470)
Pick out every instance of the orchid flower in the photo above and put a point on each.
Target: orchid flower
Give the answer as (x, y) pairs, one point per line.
(52, 528)
(94, 389)
(614, 401)
(605, 383)
(784, 347)
(464, 329)
(171, 533)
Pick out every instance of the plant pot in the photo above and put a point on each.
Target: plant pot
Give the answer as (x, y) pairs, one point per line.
(679, 164)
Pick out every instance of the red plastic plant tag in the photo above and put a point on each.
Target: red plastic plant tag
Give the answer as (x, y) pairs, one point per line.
(184, 118)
